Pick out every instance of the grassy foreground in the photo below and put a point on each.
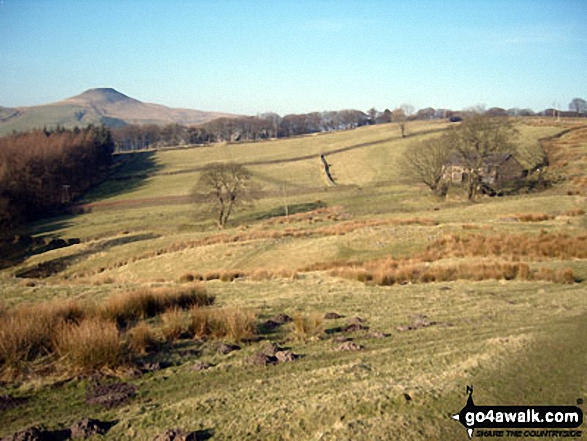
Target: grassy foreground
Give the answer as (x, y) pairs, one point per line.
(518, 341)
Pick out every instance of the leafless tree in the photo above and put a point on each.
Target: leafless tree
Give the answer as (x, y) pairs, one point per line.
(426, 162)
(223, 187)
(476, 141)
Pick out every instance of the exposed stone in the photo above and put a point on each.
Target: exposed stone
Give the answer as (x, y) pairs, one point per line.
(286, 356)
(349, 346)
(225, 348)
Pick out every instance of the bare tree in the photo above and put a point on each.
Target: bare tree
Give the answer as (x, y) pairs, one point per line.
(426, 162)
(578, 105)
(224, 186)
(398, 116)
(476, 143)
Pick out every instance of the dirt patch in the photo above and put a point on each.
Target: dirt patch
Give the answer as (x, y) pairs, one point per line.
(9, 402)
(354, 327)
(111, 395)
(182, 435)
(199, 366)
(271, 349)
(87, 427)
(225, 348)
(261, 359)
(281, 319)
(420, 321)
(350, 346)
(38, 433)
(376, 334)
(286, 356)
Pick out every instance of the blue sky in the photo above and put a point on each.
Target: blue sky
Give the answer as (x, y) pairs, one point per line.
(297, 56)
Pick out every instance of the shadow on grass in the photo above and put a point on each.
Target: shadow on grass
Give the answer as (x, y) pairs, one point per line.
(55, 266)
(129, 172)
(292, 209)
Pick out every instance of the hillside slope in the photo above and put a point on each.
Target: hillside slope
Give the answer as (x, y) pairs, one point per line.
(96, 106)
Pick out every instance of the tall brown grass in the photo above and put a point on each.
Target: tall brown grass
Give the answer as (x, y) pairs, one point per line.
(91, 345)
(529, 247)
(142, 339)
(404, 273)
(27, 331)
(228, 323)
(131, 306)
(305, 326)
(174, 324)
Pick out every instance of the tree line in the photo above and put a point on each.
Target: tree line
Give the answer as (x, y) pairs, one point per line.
(42, 171)
(271, 125)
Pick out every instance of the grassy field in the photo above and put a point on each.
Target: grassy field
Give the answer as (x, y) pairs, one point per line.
(518, 340)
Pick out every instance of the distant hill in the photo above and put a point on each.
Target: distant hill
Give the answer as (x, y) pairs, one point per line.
(97, 106)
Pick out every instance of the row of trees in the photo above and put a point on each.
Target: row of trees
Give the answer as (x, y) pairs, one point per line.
(271, 125)
(246, 128)
(41, 171)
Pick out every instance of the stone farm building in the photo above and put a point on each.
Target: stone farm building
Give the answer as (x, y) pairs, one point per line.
(496, 172)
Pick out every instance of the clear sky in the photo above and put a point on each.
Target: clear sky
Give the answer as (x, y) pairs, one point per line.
(297, 56)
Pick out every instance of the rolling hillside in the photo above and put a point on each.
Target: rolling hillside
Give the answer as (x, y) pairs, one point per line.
(96, 106)
(399, 371)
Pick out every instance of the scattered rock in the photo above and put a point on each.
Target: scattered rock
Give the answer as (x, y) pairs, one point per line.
(356, 320)
(87, 427)
(9, 402)
(153, 366)
(261, 359)
(445, 288)
(28, 434)
(332, 316)
(420, 321)
(111, 395)
(354, 327)
(177, 435)
(271, 349)
(376, 334)
(341, 339)
(199, 366)
(225, 348)
(281, 319)
(407, 397)
(270, 324)
(349, 346)
(38, 433)
(286, 356)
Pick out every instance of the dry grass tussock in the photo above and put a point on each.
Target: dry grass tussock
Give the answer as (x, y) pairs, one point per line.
(227, 323)
(529, 217)
(339, 229)
(329, 214)
(574, 212)
(425, 273)
(142, 339)
(27, 332)
(515, 246)
(258, 274)
(305, 326)
(91, 345)
(131, 306)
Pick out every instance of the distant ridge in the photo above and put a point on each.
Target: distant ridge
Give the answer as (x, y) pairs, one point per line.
(98, 106)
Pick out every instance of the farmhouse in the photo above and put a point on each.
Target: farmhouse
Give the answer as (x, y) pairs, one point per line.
(495, 171)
